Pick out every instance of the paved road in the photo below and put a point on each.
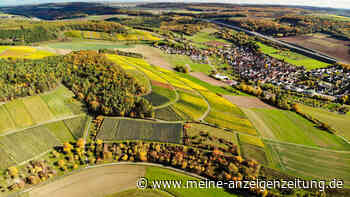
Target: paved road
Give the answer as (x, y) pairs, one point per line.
(313, 53)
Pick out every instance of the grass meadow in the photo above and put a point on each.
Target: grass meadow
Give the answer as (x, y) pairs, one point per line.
(292, 58)
(155, 173)
(292, 128)
(310, 163)
(340, 122)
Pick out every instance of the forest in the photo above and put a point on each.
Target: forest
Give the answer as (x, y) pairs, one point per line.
(45, 31)
(82, 72)
(291, 25)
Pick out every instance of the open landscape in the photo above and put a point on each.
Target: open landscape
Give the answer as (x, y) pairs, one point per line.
(323, 43)
(95, 97)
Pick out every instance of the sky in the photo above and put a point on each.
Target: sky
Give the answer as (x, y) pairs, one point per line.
(316, 3)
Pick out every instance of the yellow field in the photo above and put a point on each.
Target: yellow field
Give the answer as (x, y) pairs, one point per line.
(137, 35)
(6, 122)
(251, 140)
(227, 115)
(191, 106)
(136, 64)
(120, 61)
(38, 109)
(18, 113)
(23, 52)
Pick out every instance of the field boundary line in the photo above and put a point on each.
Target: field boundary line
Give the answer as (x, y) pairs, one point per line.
(304, 146)
(41, 124)
(208, 109)
(35, 157)
(177, 98)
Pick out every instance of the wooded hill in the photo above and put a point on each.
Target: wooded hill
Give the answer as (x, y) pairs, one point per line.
(102, 85)
(11, 34)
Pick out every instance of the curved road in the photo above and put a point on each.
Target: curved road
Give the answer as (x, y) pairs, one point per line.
(98, 181)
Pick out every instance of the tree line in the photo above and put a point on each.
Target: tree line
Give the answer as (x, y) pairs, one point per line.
(45, 31)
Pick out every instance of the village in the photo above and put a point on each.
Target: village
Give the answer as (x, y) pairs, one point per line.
(253, 66)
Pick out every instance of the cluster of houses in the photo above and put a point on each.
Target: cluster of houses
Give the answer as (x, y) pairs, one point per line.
(195, 54)
(331, 82)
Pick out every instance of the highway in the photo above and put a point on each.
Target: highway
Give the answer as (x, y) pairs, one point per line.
(292, 47)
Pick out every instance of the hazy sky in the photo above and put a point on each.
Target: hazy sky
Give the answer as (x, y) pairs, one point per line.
(318, 3)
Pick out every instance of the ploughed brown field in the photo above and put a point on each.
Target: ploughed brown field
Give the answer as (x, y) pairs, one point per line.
(248, 102)
(324, 43)
(95, 182)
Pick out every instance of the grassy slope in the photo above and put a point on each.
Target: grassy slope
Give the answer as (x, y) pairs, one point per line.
(161, 96)
(58, 102)
(196, 129)
(181, 60)
(76, 45)
(26, 144)
(38, 110)
(204, 36)
(252, 148)
(6, 122)
(290, 127)
(292, 58)
(337, 121)
(311, 163)
(19, 113)
(154, 173)
(227, 115)
(191, 105)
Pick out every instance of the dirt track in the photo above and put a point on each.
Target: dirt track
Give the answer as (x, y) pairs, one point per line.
(248, 102)
(152, 55)
(208, 79)
(95, 182)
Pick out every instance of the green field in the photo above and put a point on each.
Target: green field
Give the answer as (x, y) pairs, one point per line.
(182, 60)
(77, 45)
(38, 109)
(61, 102)
(130, 129)
(19, 113)
(215, 89)
(227, 115)
(131, 35)
(311, 163)
(34, 110)
(141, 79)
(292, 58)
(6, 122)
(26, 144)
(208, 135)
(154, 173)
(167, 114)
(190, 106)
(77, 126)
(252, 148)
(60, 130)
(290, 127)
(205, 35)
(337, 121)
(161, 96)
